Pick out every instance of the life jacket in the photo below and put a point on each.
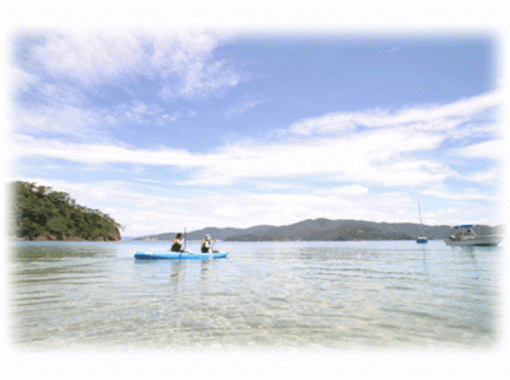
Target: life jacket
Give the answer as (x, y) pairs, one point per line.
(176, 246)
(204, 247)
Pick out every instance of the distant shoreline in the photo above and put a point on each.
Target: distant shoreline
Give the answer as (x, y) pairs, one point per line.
(324, 230)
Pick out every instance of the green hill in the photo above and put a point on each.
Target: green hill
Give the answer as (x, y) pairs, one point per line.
(43, 214)
(327, 230)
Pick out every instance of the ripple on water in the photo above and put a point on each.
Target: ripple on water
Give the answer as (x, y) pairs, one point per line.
(337, 295)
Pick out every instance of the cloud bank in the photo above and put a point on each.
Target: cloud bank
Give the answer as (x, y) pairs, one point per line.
(396, 150)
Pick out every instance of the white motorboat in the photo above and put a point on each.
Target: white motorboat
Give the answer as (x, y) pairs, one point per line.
(466, 237)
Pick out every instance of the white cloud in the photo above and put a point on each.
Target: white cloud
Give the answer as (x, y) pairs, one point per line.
(62, 119)
(229, 211)
(137, 111)
(146, 180)
(460, 213)
(168, 118)
(430, 117)
(359, 157)
(494, 149)
(90, 59)
(100, 153)
(353, 190)
(486, 176)
(84, 122)
(181, 63)
(277, 184)
(21, 79)
(243, 106)
(61, 68)
(466, 194)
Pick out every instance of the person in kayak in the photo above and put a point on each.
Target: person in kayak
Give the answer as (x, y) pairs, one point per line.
(178, 243)
(207, 245)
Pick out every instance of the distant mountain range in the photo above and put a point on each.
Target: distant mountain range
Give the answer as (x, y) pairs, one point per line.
(325, 230)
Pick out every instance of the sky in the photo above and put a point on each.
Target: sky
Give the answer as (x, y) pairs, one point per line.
(171, 130)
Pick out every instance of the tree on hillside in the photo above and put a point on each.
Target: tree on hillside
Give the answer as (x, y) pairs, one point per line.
(41, 213)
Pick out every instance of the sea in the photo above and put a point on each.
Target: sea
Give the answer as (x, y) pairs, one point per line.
(284, 296)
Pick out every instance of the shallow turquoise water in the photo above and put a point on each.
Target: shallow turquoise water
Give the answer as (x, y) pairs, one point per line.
(339, 295)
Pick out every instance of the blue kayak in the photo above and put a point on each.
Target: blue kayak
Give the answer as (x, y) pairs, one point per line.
(168, 255)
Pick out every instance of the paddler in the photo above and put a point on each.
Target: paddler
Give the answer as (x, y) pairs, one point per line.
(178, 243)
(207, 244)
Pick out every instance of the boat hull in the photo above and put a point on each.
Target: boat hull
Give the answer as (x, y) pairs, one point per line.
(484, 241)
(165, 255)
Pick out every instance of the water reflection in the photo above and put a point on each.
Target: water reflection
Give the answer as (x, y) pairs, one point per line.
(204, 270)
(424, 261)
(34, 251)
(176, 273)
(69, 262)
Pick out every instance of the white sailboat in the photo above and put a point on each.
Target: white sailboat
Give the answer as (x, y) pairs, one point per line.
(422, 239)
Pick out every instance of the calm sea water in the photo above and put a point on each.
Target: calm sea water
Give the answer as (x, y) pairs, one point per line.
(338, 295)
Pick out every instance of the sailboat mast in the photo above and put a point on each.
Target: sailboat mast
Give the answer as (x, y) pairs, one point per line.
(419, 211)
(421, 239)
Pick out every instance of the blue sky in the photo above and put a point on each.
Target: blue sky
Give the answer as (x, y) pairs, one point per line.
(164, 131)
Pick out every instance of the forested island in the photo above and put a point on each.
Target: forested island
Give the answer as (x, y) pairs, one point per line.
(43, 214)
